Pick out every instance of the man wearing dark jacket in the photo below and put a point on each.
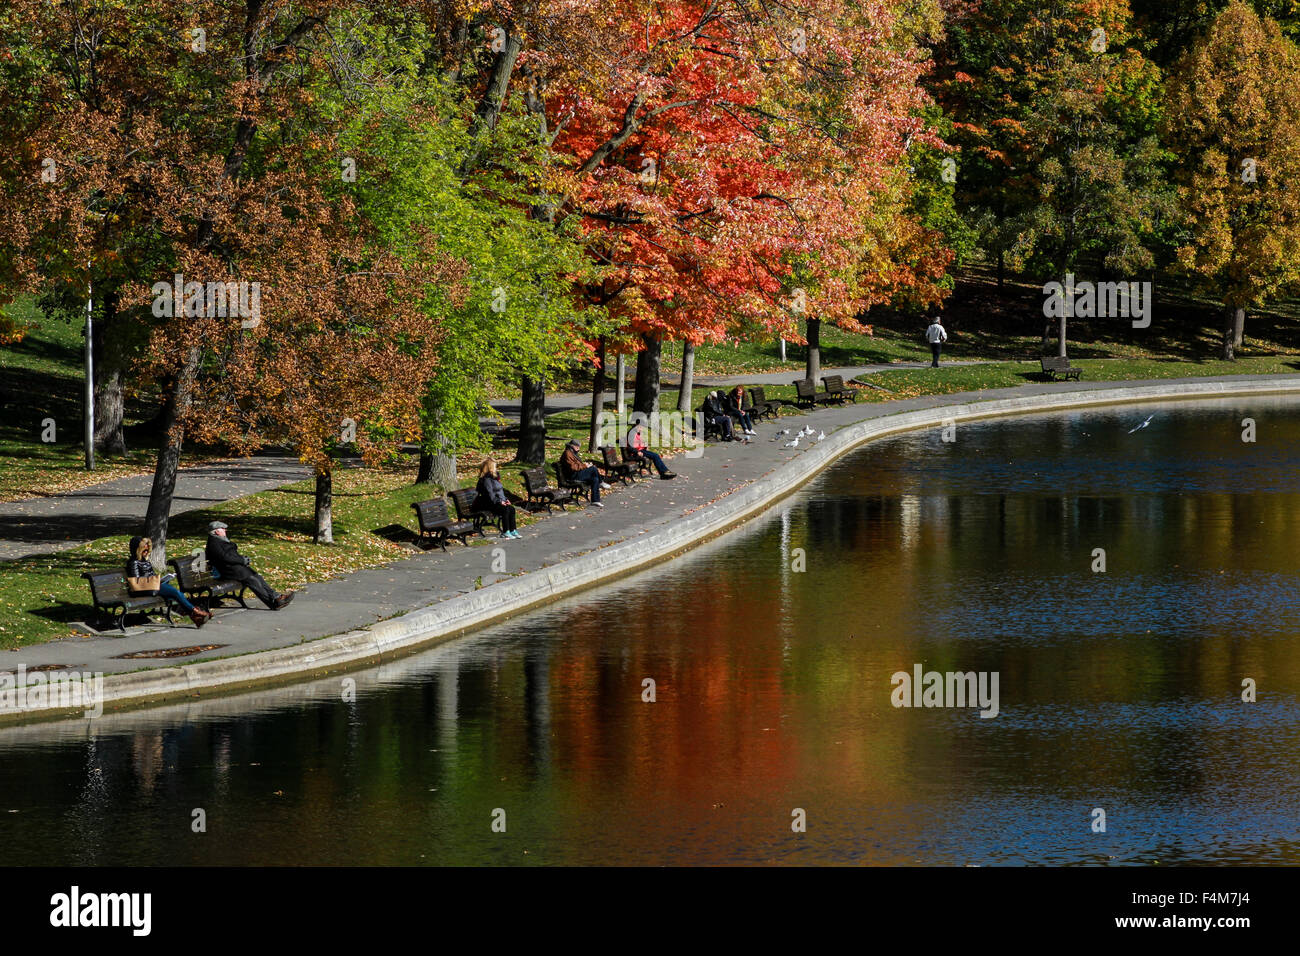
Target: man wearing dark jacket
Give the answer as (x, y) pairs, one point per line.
(225, 557)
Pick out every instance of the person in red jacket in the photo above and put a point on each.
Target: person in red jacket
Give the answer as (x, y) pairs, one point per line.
(640, 449)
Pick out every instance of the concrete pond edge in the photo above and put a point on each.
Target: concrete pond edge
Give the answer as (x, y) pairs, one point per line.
(453, 617)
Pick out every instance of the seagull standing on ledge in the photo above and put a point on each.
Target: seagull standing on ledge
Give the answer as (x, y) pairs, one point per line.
(821, 436)
(1143, 425)
(792, 444)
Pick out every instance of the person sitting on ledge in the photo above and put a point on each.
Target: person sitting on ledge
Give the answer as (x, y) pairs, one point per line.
(573, 470)
(735, 408)
(715, 415)
(139, 569)
(640, 450)
(225, 557)
(491, 496)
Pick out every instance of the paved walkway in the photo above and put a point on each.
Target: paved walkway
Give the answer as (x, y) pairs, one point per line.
(45, 525)
(365, 597)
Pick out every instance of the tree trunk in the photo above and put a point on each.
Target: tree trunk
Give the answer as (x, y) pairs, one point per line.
(1060, 337)
(324, 533)
(110, 407)
(1229, 325)
(684, 398)
(532, 423)
(813, 369)
(646, 399)
(424, 474)
(169, 457)
(1238, 327)
(620, 373)
(1001, 271)
(597, 396)
(442, 470)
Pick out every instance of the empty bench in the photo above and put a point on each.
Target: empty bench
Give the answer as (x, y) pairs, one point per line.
(837, 391)
(807, 396)
(1054, 365)
(437, 525)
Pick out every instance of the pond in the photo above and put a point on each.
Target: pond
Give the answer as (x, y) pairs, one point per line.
(772, 653)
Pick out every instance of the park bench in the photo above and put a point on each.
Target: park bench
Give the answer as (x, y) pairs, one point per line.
(1054, 365)
(194, 579)
(760, 406)
(615, 467)
(711, 430)
(463, 499)
(436, 523)
(807, 396)
(642, 465)
(836, 389)
(538, 490)
(578, 489)
(109, 592)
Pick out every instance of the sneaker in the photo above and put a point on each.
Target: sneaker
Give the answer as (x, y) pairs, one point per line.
(604, 487)
(598, 504)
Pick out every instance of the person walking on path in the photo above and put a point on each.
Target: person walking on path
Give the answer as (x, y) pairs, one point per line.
(936, 336)
(491, 496)
(640, 449)
(225, 557)
(140, 571)
(578, 471)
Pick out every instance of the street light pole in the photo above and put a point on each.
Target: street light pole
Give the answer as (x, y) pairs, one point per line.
(90, 376)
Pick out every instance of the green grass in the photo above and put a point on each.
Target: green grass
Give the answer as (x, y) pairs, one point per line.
(41, 597)
(41, 378)
(897, 384)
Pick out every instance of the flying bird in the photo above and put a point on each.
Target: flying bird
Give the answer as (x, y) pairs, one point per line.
(1143, 425)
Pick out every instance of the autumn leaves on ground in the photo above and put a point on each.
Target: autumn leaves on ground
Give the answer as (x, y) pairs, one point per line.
(438, 204)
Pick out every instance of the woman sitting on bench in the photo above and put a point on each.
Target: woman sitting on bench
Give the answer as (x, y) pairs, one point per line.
(141, 578)
(492, 497)
(735, 408)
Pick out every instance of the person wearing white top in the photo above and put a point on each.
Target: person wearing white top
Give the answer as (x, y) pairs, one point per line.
(936, 336)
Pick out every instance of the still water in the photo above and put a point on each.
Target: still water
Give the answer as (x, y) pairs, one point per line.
(1118, 690)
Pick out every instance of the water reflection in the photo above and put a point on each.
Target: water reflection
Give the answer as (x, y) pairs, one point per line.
(1119, 690)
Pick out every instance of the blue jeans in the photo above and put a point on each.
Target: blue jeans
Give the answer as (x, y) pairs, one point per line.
(654, 459)
(590, 475)
(176, 597)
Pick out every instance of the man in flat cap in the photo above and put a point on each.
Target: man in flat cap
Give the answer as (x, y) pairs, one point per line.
(225, 557)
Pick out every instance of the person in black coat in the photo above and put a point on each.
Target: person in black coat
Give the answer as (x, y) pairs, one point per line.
(222, 554)
(716, 415)
(491, 496)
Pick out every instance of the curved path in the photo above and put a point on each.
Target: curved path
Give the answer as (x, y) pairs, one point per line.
(378, 613)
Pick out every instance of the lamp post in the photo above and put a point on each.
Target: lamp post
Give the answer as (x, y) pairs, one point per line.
(90, 375)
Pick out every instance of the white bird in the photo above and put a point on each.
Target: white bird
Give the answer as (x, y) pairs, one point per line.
(792, 444)
(821, 436)
(806, 431)
(784, 431)
(1143, 425)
